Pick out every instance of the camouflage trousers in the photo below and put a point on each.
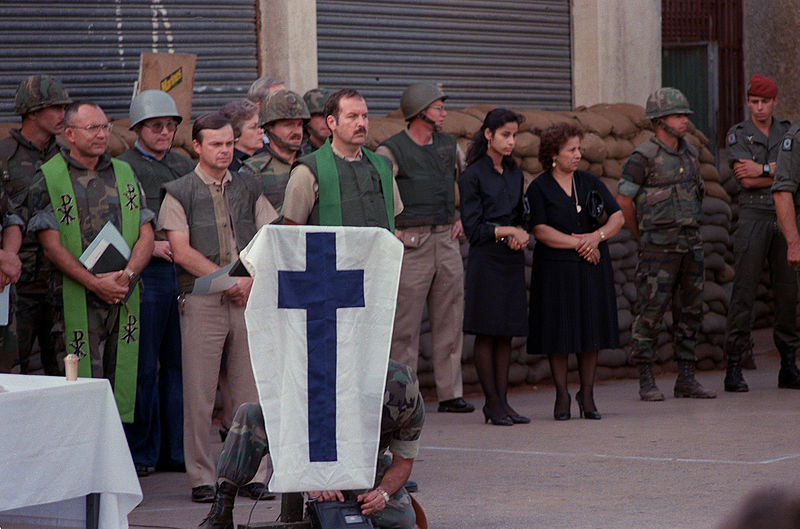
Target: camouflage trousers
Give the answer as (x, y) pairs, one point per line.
(103, 332)
(247, 444)
(667, 280)
(35, 320)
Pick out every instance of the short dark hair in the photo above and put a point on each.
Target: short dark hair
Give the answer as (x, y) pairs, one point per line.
(554, 138)
(493, 120)
(72, 109)
(213, 121)
(238, 112)
(332, 104)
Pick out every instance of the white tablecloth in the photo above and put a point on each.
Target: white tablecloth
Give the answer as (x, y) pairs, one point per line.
(61, 440)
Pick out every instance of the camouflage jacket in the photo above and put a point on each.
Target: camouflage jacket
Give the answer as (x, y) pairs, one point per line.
(667, 193)
(19, 161)
(403, 412)
(97, 202)
(273, 171)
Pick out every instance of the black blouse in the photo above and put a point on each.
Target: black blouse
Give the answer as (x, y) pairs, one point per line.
(489, 199)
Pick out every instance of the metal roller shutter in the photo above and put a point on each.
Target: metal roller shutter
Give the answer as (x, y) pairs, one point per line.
(512, 53)
(94, 46)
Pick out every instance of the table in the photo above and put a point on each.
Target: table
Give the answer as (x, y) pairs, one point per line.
(59, 442)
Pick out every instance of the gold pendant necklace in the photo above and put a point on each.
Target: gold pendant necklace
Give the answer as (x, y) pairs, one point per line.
(575, 194)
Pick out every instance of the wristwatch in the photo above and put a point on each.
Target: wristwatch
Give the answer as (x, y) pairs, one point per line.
(132, 276)
(765, 169)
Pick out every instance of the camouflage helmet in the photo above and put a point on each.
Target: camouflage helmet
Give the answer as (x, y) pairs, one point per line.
(666, 101)
(152, 104)
(282, 104)
(315, 100)
(418, 97)
(38, 92)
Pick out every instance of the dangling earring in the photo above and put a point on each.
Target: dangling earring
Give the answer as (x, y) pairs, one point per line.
(554, 164)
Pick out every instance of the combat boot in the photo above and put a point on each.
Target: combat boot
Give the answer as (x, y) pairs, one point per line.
(687, 386)
(788, 376)
(221, 515)
(647, 384)
(734, 381)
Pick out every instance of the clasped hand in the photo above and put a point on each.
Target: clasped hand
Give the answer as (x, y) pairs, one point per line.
(111, 287)
(517, 239)
(587, 246)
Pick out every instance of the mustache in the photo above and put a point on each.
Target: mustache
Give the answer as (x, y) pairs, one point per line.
(360, 129)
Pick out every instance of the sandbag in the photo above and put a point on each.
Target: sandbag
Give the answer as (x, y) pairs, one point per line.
(633, 112)
(714, 206)
(713, 189)
(612, 168)
(622, 126)
(596, 168)
(618, 148)
(381, 129)
(611, 184)
(459, 123)
(594, 122)
(116, 144)
(527, 144)
(478, 111)
(693, 140)
(532, 165)
(706, 156)
(709, 172)
(641, 137)
(594, 148)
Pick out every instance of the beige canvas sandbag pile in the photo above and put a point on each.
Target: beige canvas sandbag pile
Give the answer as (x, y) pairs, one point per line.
(612, 132)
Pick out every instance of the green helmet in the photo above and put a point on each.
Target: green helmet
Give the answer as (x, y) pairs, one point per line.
(315, 100)
(152, 104)
(282, 104)
(38, 92)
(418, 97)
(666, 101)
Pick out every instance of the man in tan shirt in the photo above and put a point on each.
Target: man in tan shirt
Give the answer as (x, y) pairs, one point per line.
(209, 215)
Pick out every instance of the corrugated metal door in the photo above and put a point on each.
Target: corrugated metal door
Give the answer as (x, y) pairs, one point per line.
(512, 53)
(94, 46)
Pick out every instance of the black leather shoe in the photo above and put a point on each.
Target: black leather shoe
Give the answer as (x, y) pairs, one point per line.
(203, 494)
(256, 491)
(457, 405)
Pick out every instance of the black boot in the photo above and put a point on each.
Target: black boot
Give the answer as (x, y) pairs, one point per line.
(734, 381)
(788, 376)
(647, 383)
(221, 515)
(687, 386)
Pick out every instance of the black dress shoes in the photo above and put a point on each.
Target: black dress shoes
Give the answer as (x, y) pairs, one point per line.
(457, 405)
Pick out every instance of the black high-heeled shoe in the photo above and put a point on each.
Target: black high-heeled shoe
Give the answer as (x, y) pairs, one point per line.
(586, 414)
(519, 419)
(504, 420)
(562, 415)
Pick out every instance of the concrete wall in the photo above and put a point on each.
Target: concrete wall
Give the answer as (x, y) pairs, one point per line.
(771, 41)
(287, 39)
(616, 50)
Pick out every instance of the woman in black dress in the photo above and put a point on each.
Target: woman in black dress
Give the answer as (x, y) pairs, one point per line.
(494, 301)
(573, 305)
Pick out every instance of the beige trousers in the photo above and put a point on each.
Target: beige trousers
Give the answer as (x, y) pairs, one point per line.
(432, 274)
(210, 323)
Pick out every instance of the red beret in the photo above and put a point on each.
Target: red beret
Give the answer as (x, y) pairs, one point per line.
(761, 86)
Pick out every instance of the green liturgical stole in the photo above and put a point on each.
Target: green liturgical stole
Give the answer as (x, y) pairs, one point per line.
(76, 326)
(330, 197)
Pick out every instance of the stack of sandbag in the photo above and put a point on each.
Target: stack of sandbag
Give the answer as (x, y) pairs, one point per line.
(612, 133)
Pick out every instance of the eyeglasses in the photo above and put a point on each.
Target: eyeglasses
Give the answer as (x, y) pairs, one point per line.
(158, 126)
(94, 130)
(437, 108)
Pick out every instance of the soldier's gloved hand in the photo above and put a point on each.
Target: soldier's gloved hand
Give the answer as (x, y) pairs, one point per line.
(111, 287)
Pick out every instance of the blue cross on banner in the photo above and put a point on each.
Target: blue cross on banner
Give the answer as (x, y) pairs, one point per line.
(320, 290)
(319, 323)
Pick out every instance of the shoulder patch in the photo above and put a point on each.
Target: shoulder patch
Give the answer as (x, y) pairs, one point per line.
(787, 144)
(731, 139)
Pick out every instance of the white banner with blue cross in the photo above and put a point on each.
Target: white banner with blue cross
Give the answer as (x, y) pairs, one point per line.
(319, 323)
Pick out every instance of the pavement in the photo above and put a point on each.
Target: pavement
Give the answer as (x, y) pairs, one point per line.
(681, 463)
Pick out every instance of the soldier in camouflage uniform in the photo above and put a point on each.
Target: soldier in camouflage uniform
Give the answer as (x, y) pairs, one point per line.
(316, 129)
(660, 194)
(752, 150)
(40, 102)
(10, 270)
(282, 118)
(388, 503)
(96, 200)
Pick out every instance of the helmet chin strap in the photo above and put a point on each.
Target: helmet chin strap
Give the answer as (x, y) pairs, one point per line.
(282, 144)
(660, 123)
(426, 119)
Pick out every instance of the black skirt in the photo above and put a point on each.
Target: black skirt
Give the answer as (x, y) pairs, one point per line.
(494, 299)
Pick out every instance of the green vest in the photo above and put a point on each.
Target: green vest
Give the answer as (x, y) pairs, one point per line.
(273, 174)
(425, 178)
(358, 193)
(76, 327)
(671, 196)
(208, 219)
(152, 173)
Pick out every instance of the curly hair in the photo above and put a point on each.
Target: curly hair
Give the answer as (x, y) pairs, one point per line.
(554, 138)
(238, 112)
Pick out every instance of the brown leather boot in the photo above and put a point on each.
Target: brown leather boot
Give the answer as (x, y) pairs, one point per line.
(648, 391)
(221, 515)
(687, 386)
